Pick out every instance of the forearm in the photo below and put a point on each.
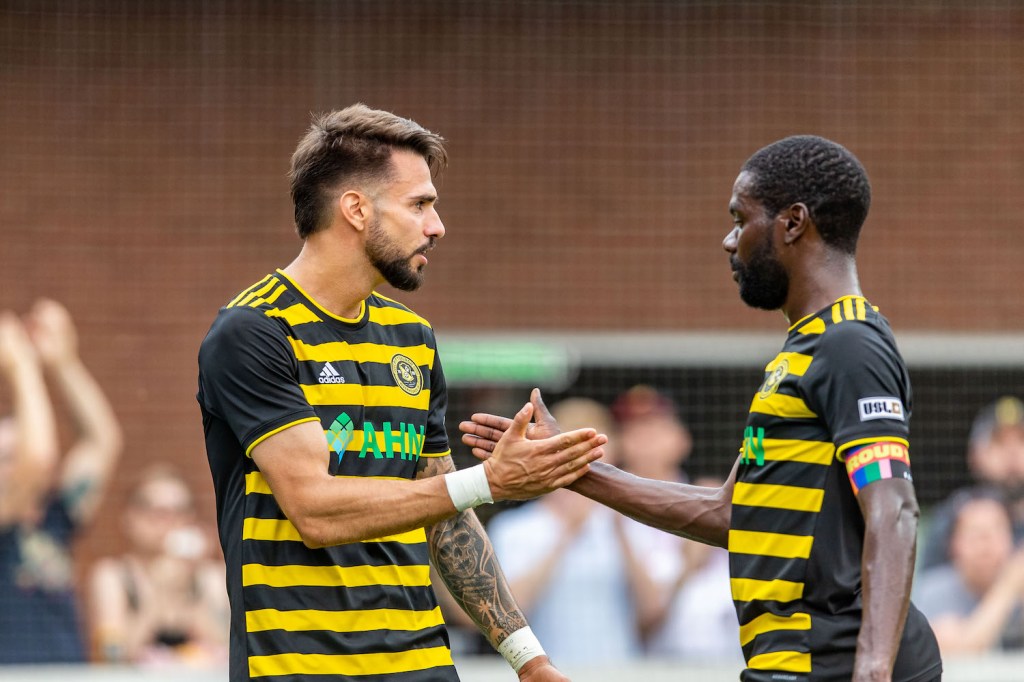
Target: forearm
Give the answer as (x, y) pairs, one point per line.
(88, 406)
(35, 439)
(333, 511)
(462, 554)
(687, 510)
(980, 631)
(887, 571)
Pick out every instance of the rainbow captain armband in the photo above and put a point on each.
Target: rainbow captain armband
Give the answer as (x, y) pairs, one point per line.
(877, 461)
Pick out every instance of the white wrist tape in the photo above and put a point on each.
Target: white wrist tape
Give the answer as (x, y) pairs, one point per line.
(520, 647)
(468, 487)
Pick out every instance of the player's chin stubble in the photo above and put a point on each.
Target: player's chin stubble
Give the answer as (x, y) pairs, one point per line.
(393, 266)
(764, 283)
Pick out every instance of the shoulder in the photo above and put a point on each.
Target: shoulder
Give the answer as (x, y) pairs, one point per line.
(864, 336)
(241, 319)
(239, 327)
(269, 303)
(388, 311)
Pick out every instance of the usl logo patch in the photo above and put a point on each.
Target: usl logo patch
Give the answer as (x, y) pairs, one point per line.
(884, 407)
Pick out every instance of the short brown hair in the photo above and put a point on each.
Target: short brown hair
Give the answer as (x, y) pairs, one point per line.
(354, 143)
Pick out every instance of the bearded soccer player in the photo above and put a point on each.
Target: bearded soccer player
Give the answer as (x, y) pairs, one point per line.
(323, 407)
(819, 513)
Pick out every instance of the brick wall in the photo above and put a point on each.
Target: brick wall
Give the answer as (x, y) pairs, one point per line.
(593, 147)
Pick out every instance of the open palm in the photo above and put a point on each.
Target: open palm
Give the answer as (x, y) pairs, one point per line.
(482, 432)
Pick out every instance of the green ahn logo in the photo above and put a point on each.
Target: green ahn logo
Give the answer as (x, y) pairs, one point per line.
(340, 434)
(407, 443)
(753, 445)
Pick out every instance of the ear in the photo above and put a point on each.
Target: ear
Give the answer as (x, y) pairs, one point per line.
(796, 220)
(356, 208)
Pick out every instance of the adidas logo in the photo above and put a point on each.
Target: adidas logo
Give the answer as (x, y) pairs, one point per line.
(329, 375)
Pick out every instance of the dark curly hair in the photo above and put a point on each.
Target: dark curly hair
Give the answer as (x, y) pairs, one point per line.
(355, 144)
(819, 173)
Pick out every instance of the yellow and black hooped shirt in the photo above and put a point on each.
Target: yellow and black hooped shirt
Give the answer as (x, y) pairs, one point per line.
(831, 417)
(272, 359)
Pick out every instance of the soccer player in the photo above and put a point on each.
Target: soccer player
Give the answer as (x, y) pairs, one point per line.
(323, 408)
(819, 513)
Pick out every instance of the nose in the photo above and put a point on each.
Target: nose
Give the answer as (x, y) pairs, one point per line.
(435, 228)
(729, 243)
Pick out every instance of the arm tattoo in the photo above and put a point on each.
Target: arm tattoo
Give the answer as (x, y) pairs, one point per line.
(462, 554)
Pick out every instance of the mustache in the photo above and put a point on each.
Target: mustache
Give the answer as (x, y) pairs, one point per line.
(431, 243)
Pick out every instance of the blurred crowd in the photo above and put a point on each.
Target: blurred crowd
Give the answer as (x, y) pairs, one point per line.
(597, 587)
(164, 600)
(970, 581)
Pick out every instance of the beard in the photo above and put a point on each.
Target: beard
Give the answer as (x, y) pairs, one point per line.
(391, 263)
(764, 283)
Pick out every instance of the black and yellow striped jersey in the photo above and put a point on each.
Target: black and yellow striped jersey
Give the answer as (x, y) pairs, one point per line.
(274, 358)
(797, 532)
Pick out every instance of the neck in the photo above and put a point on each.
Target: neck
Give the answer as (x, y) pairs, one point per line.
(335, 276)
(818, 286)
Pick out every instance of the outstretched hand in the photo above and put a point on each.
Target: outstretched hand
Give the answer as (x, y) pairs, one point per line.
(523, 463)
(484, 430)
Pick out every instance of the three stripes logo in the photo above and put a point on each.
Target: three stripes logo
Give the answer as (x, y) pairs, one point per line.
(329, 375)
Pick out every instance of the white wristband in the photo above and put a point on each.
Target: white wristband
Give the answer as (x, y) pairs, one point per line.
(520, 647)
(468, 487)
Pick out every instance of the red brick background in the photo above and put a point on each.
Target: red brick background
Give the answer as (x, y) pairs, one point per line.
(144, 146)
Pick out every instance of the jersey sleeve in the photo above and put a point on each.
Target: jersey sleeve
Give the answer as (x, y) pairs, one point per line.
(436, 444)
(859, 386)
(247, 377)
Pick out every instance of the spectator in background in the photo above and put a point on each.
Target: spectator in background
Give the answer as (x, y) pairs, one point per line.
(684, 604)
(45, 500)
(566, 564)
(995, 457)
(653, 441)
(164, 601)
(974, 604)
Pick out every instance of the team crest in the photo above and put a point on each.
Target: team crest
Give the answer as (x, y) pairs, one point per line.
(772, 381)
(407, 374)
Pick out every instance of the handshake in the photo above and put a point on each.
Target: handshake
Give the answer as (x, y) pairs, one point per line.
(521, 460)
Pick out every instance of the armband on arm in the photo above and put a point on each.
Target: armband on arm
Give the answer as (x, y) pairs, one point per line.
(877, 461)
(519, 647)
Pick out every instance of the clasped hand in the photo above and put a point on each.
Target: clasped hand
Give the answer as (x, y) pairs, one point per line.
(524, 460)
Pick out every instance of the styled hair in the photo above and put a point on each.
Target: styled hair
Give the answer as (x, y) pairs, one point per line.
(823, 175)
(352, 145)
